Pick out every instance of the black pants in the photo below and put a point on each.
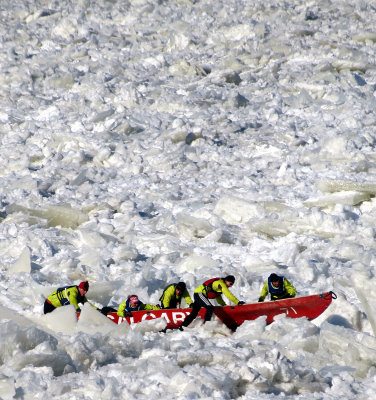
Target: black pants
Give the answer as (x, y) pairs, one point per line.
(199, 301)
(48, 307)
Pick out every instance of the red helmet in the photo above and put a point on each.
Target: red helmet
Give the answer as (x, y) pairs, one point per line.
(84, 285)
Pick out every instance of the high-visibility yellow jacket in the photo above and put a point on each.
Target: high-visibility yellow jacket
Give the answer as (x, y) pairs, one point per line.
(67, 295)
(169, 298)
(125, 306)
(218, 287)
(284, 291)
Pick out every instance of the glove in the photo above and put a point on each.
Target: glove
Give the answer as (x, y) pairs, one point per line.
(241, 303)
(128, 314)
(284, 296)
(106, 310)
(261, 299)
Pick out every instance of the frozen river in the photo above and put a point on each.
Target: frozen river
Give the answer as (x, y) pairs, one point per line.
(149, 142)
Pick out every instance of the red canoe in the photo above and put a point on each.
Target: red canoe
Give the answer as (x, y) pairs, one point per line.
(233, 316)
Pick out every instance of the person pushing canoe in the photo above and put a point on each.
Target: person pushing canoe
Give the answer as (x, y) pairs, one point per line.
(278, 287)
(209, 290)
(63, 296)
(173, 294)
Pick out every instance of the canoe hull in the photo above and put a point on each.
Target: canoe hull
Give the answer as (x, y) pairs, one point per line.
(233, 316)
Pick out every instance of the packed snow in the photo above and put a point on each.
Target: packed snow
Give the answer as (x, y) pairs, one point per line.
(148, 142)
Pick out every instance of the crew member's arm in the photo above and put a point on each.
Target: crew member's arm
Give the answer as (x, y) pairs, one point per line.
(72, 297)
(121, 309)
(187, 297)
(220, 286)
(220, 301)
(149, 307)
(289, 288)
(264, 292)
(88, 302)
(168, 295)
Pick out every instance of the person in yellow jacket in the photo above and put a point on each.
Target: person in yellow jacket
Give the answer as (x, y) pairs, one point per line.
(66, 295)
(278, 287)
(210, 289)
(173, 294)
(132, 303)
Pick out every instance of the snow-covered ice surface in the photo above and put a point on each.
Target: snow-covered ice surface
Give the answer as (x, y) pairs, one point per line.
(147, 142)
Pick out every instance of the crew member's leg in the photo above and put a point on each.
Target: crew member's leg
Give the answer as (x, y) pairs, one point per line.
(196, 305)
(209, 308)
(48, 307)
(199, 301)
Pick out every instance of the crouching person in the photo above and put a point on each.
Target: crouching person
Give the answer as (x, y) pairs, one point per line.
(211, 289)
(63, 296)
(173, 294)
(278, 287)
(132, 303)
